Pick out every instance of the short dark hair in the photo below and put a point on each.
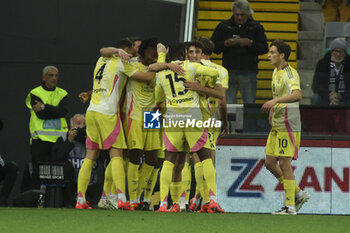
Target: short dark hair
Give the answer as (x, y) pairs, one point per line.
(208, 45)
(124, 43)
(176, 51)
(282, 47)
(194, 43)
(148, 43)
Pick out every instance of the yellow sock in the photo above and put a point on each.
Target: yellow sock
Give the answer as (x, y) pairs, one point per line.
(118, 174)
(175, 191)
(107, 185)
(198, 173)
(133, 181)
(185, 180)
(126, 161)
(84, 177)
(210, 177)
(289, 187)
(297, 189)
(165, 179)
(188, 188)
(113, 189)
(206, 197)
(150, 185)
(144, 176)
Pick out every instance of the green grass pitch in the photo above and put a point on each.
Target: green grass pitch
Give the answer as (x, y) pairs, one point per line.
(83, 221)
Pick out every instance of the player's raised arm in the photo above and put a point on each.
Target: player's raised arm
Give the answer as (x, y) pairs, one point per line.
(217, 92)
(176, 67)
(204, 70)
(112, 51)
(159, 94)
(143, 76)
(108, 51)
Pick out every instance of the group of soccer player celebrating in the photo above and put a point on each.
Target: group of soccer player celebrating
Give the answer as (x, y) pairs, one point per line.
(140, 76)
(177, 83)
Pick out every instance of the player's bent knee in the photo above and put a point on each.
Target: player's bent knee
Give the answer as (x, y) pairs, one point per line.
(92, 154)
(204, 154)
(151, 158)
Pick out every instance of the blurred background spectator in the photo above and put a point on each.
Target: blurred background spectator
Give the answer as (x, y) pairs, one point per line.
(241, 39)
(335, 10)
(331, 83)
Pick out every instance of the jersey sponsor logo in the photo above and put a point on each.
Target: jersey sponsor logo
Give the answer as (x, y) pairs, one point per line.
(151, 120)
(179, 101)
(242, 186)
(282, 152)
(100, 90)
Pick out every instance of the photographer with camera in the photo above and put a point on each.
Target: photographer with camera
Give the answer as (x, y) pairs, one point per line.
(72, 151)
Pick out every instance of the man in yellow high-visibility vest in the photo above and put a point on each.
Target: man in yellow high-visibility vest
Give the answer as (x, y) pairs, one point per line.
(48, 109)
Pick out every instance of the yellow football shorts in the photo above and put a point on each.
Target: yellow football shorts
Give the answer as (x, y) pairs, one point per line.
(185, 139)
(140, 138)
(104, 131)
(283, 143)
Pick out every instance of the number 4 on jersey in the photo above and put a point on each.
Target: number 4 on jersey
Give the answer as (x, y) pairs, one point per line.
(99, 73)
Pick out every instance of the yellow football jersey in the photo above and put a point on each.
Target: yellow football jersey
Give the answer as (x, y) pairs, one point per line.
(110, 77)
(139, 95)
(171, 85)
(286, 116)
(209, 104)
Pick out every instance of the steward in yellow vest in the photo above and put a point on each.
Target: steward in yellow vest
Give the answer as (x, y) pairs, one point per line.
(48, 109)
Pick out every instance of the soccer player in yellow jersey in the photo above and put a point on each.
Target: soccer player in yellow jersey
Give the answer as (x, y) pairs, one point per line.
(212, 97)
(211, 94)
(284, 139)
(180, 105)
(140, 98)
(103, 124)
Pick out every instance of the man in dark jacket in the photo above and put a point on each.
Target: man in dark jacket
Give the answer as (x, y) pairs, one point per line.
(241, 39)
(331, 84)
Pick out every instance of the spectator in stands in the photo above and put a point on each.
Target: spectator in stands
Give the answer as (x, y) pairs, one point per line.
(335, 10)
(48, 108)
(72, 150)
(241, 39)
(331, 84)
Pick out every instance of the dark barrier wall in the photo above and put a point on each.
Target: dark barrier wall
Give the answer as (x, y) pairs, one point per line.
(67, 34)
